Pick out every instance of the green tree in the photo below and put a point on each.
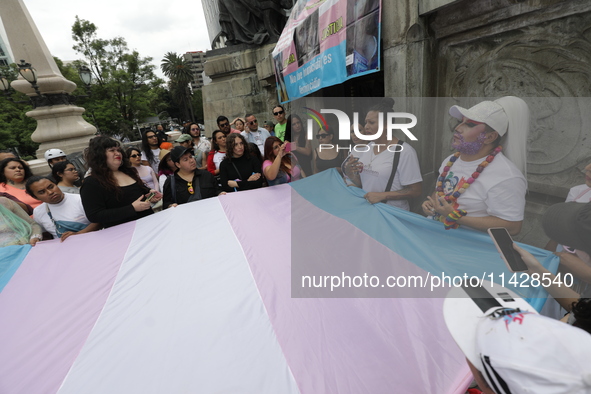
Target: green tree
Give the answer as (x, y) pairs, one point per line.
(15, 127)
(178, 70)
(198, 106)
(126, 89)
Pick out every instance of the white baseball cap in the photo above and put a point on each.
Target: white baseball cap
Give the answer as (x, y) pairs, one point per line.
(489, 112)
(517, 350)
(53, 153)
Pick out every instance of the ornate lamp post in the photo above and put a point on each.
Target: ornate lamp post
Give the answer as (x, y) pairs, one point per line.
(59, 122)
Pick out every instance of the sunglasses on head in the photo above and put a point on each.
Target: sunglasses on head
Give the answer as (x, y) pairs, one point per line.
(134, 155)
(278, 113)
(324, 135)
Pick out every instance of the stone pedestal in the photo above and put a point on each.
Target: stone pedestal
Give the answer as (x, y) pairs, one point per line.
(242, 82)
(58, 126)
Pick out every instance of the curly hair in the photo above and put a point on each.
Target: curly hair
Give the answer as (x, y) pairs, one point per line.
(271, 156)
(231, 142)
(4, 164)
(97, 161)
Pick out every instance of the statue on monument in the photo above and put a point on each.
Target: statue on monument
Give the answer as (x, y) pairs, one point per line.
(253, 21)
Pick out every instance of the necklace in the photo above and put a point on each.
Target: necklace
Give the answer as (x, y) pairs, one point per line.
(453, 197)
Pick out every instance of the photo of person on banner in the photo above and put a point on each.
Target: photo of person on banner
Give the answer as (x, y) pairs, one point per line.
(281, 89)
(362, 36)
(306, 39)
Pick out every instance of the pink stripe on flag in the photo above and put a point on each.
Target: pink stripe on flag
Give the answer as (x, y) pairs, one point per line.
(44, 326)
(344, 345)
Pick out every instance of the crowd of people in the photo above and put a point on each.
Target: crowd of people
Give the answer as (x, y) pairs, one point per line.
(480, 186)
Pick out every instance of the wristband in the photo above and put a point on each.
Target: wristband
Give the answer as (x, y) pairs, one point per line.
(38, 236)
(451, 220)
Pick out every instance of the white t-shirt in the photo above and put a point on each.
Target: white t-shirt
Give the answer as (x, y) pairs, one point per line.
(204, 145)
(258, 138)
(218, 157)
(498, 191)
(378, 168)
(69, 209)
(155, 162)
(580, 193)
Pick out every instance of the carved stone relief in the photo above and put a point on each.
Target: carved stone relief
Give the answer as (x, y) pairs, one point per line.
(547, 64)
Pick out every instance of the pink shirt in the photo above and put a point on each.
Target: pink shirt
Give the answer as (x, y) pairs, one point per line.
(296, 172)
(20, 194)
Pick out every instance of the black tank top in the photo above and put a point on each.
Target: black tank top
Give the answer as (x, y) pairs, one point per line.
(322, 165)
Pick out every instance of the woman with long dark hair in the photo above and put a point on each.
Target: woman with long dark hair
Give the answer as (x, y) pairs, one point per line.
(239, 170)
(279, 166)
(151, 149)
(217, 153)
(114, 193)
(327, 155)
(201, 145)
(301, 147)
(65, 175)
(146, 174)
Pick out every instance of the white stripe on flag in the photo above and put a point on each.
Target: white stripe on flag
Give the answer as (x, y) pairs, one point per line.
(184, 316)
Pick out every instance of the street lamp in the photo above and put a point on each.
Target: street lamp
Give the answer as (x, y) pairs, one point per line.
(85, 74)
(86, 77)
(29, 74)
(27, 71)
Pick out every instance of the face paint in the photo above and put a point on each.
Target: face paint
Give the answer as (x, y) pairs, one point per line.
(468, 148)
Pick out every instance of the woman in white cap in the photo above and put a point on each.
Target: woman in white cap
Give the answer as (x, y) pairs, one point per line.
(487, 173)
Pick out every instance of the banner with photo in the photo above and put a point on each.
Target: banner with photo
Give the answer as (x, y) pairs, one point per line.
(326, 42)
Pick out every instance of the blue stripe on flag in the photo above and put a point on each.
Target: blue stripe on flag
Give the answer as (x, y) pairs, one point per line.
(11, 258)
(420, 240)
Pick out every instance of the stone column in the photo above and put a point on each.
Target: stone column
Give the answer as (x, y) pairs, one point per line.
(59, 125)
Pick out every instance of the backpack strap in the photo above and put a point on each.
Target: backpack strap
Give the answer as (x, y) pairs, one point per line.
(173, 188)
(395, 161)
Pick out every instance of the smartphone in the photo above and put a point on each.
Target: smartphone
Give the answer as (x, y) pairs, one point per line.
(150, 196)
(504, 244)
(288, 147)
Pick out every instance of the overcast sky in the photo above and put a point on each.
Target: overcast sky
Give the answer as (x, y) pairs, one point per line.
(152, 27)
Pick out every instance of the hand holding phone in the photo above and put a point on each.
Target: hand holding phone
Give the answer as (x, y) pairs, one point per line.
(504, 244)
(150, 196)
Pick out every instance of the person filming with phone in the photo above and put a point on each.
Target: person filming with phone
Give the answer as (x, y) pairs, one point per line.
(280, 166)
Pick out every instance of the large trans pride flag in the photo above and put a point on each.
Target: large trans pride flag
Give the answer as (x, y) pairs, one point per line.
(201, 299)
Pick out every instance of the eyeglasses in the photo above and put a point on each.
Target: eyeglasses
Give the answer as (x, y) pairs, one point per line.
(278, 113)
(253, 122)
(224, 124)
(190, 188)
(134, 155)
(318, 136)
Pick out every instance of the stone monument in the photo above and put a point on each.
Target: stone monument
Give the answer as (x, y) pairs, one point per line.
(242, 73)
